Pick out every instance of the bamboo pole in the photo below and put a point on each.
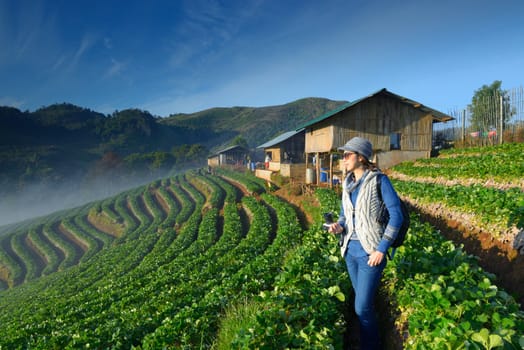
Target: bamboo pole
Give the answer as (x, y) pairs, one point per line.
(463, 127)
(501, 123)
(330, 175)
(317, 167)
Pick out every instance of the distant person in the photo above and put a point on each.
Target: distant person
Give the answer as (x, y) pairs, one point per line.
(267, 160)
(364, 240)
(248, 161)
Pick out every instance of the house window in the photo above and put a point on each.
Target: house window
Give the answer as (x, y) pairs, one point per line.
(394, 141)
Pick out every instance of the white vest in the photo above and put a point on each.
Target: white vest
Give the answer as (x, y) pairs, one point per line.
(367, 213)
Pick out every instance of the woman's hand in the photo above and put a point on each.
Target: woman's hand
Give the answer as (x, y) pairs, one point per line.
(375, 258)
(335, 228)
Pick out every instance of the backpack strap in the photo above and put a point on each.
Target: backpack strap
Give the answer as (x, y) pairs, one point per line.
(392, 255)
(379, 193)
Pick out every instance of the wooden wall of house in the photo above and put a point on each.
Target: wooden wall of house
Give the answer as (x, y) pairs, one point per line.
(275, 154)
(375, 119)
(294, 148)
(213, 161)
(233, 157)
(297, 172)
(320, 138)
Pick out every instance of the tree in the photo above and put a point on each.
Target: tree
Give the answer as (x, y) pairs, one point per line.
(187, 155)
(161, 160)
(197, 152)
(240, 141)
(486, 109)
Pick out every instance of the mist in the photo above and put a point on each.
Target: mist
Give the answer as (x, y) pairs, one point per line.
(38, 200)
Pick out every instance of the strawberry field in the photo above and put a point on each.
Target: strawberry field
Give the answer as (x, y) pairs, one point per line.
(217, 261)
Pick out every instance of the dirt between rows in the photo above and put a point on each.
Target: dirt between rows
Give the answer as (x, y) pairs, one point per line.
(495, 256)
(464, 182)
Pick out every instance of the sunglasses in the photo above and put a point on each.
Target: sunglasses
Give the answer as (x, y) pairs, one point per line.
(348, 154)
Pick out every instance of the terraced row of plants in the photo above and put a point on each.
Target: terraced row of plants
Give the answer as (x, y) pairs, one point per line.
(490, 207)
(495, 209)
(446, 301)
(443, 299)
(49, 247)
(199, 264)
(165, 282)
(75, 295)
(460, 306)
(503, 163)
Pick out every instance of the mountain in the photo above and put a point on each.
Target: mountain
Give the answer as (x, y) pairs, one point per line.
(63, 141)
(65, 155)
(256, 124)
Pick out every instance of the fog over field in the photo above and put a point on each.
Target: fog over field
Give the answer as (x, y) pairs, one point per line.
(41, 199)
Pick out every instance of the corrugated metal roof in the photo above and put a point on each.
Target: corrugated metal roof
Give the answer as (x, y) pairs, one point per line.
(227, 149)
(280, 138)
(327, 115)
(438, 116)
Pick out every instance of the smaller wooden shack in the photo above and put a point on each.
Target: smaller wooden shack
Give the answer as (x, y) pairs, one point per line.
(233, 156)
(286, 152)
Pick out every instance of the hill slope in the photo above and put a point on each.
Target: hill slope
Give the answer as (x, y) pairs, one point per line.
(64, 155)
(256, 125)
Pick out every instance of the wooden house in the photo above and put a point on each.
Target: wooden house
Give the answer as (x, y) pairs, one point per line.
(399, 129)
(286, 153)
(231, 156)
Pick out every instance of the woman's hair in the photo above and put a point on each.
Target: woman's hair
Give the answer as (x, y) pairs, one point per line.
(369, 164)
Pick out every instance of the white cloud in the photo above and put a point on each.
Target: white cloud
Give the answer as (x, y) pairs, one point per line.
(69, 60)
(108, 43)
(207, 27)
(115, 69)
(85, 44)
(25, 29)
(59, 62)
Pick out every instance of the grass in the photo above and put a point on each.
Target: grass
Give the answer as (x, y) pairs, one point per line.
(233, 323)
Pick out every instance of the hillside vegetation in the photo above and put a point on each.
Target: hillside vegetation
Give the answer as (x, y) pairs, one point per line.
(483, 183)
(64, 155)
(256, 125)
(215, 261)
(475, 196)
(57, 142)
(190, 247)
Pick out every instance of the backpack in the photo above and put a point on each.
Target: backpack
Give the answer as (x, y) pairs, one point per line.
(401, 236)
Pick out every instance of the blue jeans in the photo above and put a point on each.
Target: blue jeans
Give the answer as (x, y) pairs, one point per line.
(365, 280)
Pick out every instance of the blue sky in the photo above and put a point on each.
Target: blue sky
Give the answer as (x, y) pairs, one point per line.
(185, 56)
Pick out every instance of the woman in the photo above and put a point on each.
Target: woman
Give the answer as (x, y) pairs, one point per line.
(267, 160)
(365, 237)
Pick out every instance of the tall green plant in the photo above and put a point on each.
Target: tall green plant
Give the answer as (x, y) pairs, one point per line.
(486, 106)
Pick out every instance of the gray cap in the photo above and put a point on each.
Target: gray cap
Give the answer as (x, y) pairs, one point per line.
(359, 145)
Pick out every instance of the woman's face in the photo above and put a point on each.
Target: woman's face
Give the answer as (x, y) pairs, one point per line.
(351, 161)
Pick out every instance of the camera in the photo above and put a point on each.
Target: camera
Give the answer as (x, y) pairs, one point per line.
(328, 220)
